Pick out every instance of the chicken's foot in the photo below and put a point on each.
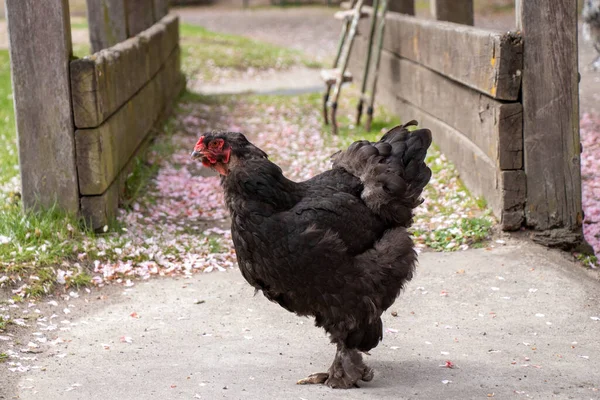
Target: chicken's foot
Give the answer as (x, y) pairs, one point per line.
(312, 379)
(347, 369)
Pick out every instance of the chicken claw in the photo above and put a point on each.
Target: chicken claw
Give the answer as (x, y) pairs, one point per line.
(313, 379)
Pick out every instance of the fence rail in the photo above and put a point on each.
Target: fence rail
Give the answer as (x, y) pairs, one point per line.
(503, 106)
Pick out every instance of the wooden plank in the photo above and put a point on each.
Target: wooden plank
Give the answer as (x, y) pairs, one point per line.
(102, 83)
(140, 16)
(495, 127)
(107, 23)
(103, 151)
(161, 8)
(402, 6)
(513, 185)
(551, 115)
(458, 11)
(99, 210)
(40, 48)
(485, 60)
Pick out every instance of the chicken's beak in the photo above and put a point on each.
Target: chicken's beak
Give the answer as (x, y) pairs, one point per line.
(196, 155)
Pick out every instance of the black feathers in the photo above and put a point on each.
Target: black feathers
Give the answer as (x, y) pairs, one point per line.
(393, 171)
(334, 247)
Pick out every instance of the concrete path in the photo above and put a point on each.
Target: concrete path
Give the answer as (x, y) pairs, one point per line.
(517, 321)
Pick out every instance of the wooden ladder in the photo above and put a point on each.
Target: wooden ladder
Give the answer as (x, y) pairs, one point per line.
(338, 75)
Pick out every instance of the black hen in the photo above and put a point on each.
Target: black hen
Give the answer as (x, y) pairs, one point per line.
(335, 246)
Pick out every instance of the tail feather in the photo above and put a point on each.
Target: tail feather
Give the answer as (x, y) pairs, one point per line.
(393, 171)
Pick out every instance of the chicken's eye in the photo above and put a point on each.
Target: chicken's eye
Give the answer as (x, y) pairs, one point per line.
(216, 144)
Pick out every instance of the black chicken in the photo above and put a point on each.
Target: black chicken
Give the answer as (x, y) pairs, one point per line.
(335, 246)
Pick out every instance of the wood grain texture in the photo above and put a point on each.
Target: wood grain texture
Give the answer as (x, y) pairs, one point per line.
(494, 126)
(551, 115)
(140, 15)
(485, 60)
(458, 11)
(40, 48)
(107, 21)
(103, 151)
(161, 8)
(100, 209)
(102, 83)
(410, 92)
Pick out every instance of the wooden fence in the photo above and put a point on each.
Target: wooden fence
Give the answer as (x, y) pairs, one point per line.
(82, 122)
(503, 106)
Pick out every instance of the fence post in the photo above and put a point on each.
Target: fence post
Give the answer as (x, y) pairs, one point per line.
(402, 6)
(140, 15)
(40, 51)
(551, 119)
(107, 22)
(459, 11)
(161, 8)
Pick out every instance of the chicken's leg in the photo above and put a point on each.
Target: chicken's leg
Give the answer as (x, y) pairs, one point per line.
(347, 369)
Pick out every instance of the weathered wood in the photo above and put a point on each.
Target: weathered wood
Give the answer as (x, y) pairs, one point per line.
(40, 48)
(485, 60)
(140, 15)
(495, 127)
(99, 210)
(551, 115)
(161, 8)
(513, 185)
(107, 23)
(102, 83)
(402, 6)
(563, 238)
(514, 189)
(102, 152)
(458, 11)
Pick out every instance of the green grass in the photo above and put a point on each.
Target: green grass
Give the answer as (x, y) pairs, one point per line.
(8, 151)
(470, 231)
(203, 51)
(38, 241)
(588, 261)
(214, 244)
